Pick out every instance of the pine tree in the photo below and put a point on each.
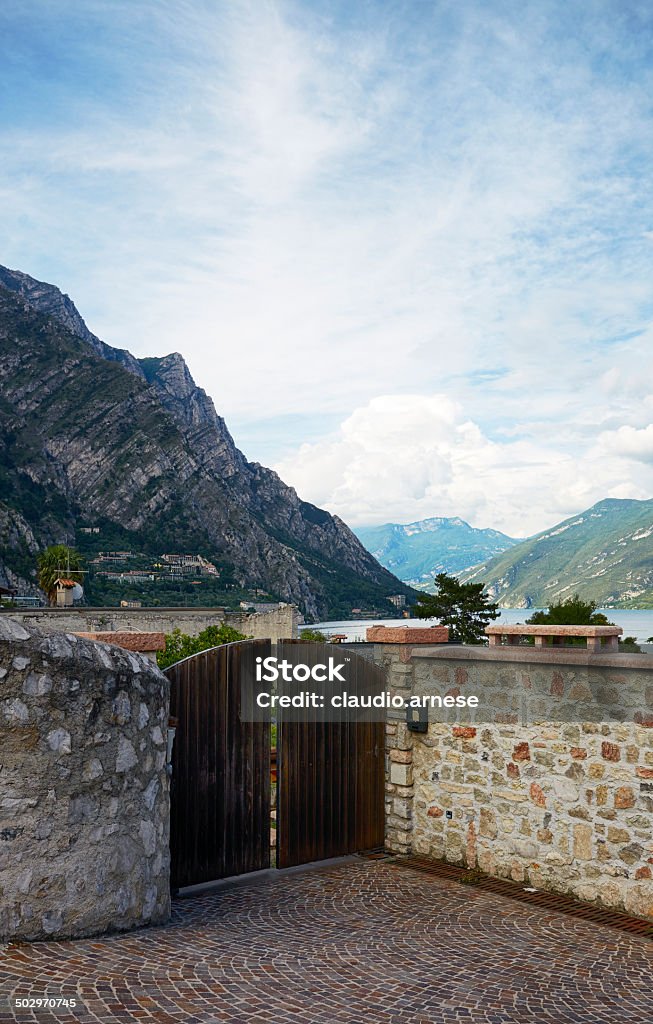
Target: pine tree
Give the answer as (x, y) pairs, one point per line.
(463, 607)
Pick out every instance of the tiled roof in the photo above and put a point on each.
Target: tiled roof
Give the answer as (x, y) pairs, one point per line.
(130, 641)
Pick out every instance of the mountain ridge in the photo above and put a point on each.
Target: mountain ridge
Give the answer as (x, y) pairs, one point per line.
(417, 551)
(88, 430)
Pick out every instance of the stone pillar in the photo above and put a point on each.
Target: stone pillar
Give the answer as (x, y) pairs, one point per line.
(84, 808)
(399, 755)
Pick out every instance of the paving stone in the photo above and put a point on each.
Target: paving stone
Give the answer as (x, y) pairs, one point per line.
(361, 943)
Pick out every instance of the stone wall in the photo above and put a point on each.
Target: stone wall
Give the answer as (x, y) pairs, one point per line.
(280, 623)
(84, 806)
(538, 794)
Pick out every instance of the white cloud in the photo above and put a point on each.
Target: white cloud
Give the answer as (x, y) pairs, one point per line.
(402, 458)
(628, 442)
(318, 209)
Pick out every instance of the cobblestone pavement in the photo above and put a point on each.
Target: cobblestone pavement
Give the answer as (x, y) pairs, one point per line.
(356, 943)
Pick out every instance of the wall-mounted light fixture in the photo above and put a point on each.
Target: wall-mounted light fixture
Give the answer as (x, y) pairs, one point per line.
(417, 719)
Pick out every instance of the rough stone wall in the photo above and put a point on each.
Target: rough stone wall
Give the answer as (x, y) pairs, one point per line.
(561, 805)
(84, 805)
(277, 624)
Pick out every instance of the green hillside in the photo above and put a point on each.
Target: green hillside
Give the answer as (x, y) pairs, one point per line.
(605, 554)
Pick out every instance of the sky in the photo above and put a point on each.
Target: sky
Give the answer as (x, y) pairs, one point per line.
(407, 247)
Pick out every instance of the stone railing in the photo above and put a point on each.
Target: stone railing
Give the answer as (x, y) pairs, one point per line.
(596, 638)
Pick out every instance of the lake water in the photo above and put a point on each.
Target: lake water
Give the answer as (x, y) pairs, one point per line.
(634, 623)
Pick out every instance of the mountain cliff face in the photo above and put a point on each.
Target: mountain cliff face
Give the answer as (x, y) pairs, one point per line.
(47, 299)
(417, 552)
(89, 433)
(605, 554)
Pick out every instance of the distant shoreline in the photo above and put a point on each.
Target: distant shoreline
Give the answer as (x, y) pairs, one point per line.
(637, 622)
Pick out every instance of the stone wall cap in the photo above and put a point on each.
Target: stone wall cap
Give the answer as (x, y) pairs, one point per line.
(534, 656)
(407, 634)
(139, 642)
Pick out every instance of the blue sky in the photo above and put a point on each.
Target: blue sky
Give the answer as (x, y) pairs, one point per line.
(406, 247)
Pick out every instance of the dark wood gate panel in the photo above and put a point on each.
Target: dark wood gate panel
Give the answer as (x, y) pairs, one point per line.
(330, 799)
(220, 792)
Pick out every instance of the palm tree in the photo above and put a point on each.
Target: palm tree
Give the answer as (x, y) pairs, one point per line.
(58, 561)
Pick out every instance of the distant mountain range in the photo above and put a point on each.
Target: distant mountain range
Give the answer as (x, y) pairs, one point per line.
(416, 552)
(90, 434)
(605, 554)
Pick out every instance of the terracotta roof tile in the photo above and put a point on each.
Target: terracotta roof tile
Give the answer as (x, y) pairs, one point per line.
(130, 641)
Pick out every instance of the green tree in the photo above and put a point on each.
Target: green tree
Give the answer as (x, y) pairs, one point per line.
(629, 645)
(180, 645)
(463, 607)
(58, 560)
(315, 635)
(573, 611)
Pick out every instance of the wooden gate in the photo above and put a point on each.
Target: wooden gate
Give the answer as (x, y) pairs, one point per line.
(330, 774)
(220, 793)
(331, 798)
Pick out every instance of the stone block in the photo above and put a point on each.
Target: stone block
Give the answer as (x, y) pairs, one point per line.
(624, 798)
(401, 756)
(618, 835)
(488, 823)
(610, 751)
(401, 774)
(579, 753)
(631, 854)
(537, 795)
(466, 732)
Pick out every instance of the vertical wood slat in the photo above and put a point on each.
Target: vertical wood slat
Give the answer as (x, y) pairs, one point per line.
(220, 792)
(330, 774)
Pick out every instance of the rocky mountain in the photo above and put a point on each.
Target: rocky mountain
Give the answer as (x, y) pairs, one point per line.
(88, 433)
(605, 554)
(416, 552)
